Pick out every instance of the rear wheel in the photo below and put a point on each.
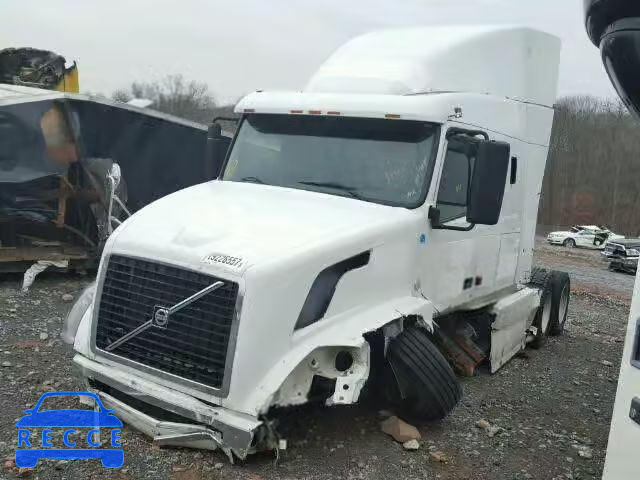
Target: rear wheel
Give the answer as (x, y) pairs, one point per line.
(423, 383)
(569, 243)
(560, 291)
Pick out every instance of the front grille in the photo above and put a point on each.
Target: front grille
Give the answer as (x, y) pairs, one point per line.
(195, 341)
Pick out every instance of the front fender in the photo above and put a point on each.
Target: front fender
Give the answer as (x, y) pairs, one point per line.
(343, 330)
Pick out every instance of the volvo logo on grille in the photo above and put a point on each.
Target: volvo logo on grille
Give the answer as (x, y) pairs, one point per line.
(161, 315)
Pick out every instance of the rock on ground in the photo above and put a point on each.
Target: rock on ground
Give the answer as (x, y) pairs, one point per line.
(400, 430)
(411, 445)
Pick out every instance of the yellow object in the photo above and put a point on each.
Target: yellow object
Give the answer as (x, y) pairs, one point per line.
(70, 81)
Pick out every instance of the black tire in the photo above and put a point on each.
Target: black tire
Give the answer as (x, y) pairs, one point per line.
(425, 386)
(560, 292)
(598, 242)
(569, 243)
(541, 279)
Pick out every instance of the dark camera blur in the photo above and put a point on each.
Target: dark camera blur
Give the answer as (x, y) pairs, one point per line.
(614, 26)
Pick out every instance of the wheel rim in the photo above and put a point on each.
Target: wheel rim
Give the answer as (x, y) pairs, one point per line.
(546, 315)
(570, 243)
(564, 304)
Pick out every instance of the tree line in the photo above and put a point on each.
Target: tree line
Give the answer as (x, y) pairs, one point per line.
(593, 166)
(178, 96)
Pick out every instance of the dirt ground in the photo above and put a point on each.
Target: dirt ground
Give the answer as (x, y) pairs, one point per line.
(588, 271)
(553, 405)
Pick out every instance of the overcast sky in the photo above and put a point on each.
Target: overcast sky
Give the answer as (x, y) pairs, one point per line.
(238, 46)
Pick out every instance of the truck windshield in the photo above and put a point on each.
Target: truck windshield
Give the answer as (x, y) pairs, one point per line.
(376, 160)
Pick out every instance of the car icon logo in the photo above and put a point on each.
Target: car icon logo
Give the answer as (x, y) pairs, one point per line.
(81, 433)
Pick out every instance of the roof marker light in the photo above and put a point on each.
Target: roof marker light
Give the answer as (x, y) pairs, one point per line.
(392, 115)
(296, 111)
(333, 113)
(315, 112)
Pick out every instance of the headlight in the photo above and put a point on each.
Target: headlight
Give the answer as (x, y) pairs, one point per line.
(633, 252)
(76, 313)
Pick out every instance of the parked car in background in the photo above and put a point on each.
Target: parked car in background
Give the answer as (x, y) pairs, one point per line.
(585, 236)
(622, 255)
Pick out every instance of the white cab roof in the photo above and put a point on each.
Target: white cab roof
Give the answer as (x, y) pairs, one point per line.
(505, 61)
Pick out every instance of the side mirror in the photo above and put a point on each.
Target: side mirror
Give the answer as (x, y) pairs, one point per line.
(488, 180)
(216, 151)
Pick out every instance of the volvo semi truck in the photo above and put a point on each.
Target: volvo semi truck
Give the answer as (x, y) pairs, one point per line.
(370, 235)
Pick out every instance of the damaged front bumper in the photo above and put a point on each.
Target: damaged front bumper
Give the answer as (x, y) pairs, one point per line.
(169, 417)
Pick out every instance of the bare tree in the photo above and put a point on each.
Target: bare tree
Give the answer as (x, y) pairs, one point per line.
(121, 95)
(594, 157)
(175, 95)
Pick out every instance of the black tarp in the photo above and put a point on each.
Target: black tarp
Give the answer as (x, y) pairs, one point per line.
(23, 155)
(46, 143)
(158, 154)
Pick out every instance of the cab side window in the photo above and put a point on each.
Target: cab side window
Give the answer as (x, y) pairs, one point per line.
(454, 185)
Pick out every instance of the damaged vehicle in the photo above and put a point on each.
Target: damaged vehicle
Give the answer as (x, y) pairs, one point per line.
(370, 235)
(584, 236)
(72, 168)
(622, 255)
(32, 67)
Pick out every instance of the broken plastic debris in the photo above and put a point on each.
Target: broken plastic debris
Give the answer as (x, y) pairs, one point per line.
(37, 268)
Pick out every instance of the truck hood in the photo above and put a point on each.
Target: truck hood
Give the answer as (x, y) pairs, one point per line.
(232, 225)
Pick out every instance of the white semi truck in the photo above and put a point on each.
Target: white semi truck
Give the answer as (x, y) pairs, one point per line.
(363, 235)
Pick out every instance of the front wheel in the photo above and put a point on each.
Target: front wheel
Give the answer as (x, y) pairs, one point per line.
(424, 385)
(569, 243)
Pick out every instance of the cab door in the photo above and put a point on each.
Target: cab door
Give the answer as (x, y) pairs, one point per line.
(458, 266)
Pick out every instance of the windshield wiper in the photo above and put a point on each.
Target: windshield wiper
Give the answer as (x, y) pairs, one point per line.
(252, 180)
(336, 186)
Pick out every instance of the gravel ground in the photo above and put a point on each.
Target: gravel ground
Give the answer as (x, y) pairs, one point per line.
(552, 406)
(587, 269)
